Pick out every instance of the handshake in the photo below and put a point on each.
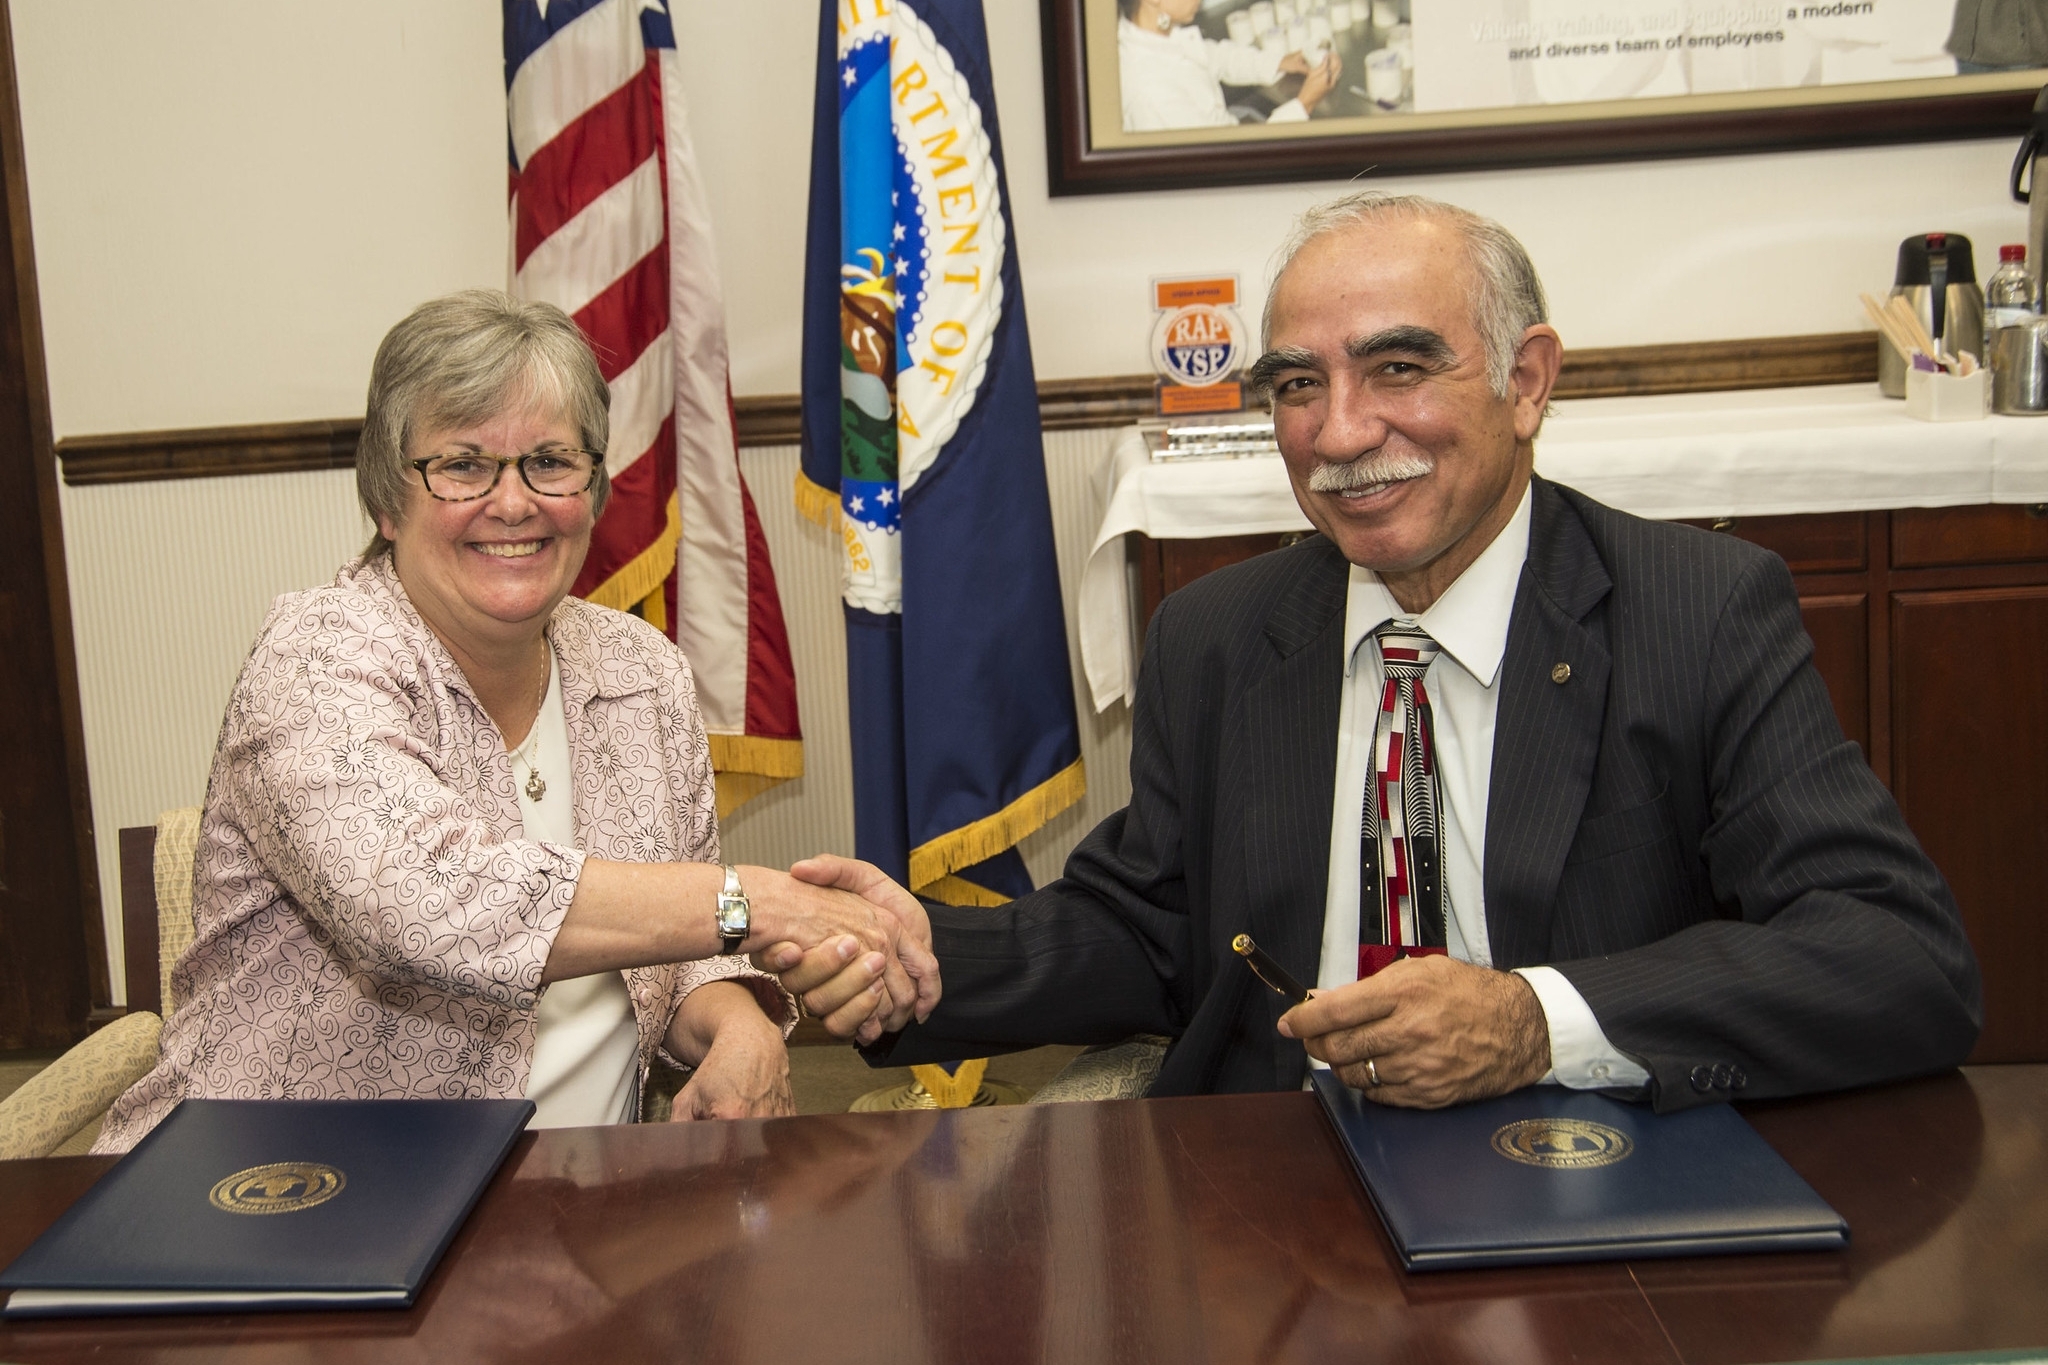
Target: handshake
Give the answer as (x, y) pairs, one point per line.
(848, 942)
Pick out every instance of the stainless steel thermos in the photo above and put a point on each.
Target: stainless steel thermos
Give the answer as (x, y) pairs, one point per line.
(2019, 355)
(2025, 170)
(1938, 279)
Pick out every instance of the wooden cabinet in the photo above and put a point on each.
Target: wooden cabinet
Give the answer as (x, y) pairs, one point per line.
(1930, 628)
(1970, 769)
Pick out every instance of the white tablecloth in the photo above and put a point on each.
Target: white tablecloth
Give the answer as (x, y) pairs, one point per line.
(1759, 452)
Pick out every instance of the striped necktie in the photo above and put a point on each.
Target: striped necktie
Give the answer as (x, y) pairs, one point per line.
(1401, 901)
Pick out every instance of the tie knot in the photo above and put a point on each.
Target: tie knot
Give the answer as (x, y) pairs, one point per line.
(1405, 649)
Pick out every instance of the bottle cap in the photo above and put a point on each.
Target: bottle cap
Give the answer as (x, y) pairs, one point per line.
(2012, 252)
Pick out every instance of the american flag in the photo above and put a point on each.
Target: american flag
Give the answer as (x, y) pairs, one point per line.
(609, 222)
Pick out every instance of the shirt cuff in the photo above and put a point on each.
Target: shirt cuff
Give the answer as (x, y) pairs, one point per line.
(1581, 1058)
(1294, 111)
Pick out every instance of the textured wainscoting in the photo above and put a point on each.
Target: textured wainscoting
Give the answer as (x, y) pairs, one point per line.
(170, 580)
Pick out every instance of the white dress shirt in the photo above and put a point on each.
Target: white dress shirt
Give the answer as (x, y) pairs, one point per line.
(1470, 622)
(1175, 80)
(586, 1047)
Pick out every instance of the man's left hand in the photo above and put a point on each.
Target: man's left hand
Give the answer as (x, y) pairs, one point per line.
(1436, 1031)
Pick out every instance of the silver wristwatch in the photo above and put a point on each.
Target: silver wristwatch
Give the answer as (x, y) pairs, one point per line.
(735, 913)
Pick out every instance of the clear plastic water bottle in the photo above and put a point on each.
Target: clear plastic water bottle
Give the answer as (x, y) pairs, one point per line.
(2008, 295)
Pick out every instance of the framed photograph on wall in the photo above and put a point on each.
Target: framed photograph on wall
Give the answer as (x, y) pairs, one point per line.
(1168, 94)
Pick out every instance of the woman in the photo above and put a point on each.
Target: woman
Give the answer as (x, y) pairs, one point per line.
(450, 802)
(1173, 77)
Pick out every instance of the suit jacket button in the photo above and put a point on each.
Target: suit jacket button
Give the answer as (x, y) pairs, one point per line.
(1737, 1078)
(1702, 1079)
(1724, 1074)
(1560, 673)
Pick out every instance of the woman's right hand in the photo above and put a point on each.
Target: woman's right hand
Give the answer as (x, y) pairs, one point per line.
(840, 989)
(875, 953)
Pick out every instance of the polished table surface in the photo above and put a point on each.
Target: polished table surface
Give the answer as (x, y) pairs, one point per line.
(1218, 1229)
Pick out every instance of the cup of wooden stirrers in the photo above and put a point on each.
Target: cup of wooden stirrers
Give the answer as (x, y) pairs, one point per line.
(1939, 387)
(1902, 327)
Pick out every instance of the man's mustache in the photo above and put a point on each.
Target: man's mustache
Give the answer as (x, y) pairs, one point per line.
(1368, 471)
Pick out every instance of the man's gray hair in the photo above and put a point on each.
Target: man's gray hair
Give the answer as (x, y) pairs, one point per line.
(1507, 298)
(464, 359)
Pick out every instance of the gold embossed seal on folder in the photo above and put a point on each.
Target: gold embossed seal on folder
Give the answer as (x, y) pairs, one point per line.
(1562, 1144)
(280, 1187)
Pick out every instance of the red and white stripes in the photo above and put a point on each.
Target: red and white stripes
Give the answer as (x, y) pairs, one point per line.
(609, 222)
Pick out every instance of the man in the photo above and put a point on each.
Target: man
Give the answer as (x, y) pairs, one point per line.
(1602, 771)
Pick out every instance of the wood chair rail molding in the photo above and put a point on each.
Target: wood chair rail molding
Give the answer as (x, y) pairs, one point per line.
(1063, 405)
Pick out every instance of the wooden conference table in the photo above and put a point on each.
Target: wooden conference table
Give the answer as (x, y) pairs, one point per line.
(1186, 1230)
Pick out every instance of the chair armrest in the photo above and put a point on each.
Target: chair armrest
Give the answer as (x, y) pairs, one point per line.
(77, 1088)
(1120, 1071)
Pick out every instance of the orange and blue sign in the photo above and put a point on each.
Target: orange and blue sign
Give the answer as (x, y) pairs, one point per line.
(1199, 345)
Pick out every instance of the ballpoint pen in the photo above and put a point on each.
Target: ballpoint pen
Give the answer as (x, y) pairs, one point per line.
(1267, 970)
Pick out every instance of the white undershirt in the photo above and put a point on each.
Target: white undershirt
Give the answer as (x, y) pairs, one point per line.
(586, 1047)
(1470, 622)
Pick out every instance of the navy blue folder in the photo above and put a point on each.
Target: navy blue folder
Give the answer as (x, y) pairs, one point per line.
(242, 1205)
(1548, 1174)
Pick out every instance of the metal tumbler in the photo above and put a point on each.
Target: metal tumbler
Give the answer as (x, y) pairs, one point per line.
(2019, 369)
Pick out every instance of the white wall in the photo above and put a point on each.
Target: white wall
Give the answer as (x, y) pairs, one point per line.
(234, 198)
(1632, 253)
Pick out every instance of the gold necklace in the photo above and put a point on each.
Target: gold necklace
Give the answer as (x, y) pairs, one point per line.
(536, 788)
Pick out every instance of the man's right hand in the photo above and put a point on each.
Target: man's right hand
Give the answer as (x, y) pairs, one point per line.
(819, 915)
(861, 997)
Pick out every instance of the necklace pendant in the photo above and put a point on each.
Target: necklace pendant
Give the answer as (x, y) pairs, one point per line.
(535, 788)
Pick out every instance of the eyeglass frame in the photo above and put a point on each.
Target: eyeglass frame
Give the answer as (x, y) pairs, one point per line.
(596, 467)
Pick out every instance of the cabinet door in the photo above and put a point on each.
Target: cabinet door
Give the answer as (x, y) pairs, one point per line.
(1840, 627)
(1970, 770)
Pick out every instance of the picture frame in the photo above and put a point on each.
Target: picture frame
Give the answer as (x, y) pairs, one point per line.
(1090, 152)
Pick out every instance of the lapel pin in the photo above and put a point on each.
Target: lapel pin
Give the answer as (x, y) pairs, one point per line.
(1560, 673)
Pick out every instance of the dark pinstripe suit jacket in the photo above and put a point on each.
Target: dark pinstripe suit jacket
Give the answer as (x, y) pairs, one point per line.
(1679, 828)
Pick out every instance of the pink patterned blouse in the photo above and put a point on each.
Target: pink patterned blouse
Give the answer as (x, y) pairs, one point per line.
(368, 925)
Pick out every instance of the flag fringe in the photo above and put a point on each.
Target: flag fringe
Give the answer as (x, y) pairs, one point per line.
(815, 502)
(654, 607)
(757, 754)
(744, 766)
(951, 890)
(645, 572)
(736, 789)
(956, 1091)
(990, 835)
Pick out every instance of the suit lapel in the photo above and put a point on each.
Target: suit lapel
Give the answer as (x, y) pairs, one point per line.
(1290, 772)
(1547, 732)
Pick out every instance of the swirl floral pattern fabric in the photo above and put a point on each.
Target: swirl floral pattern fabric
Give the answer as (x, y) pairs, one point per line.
(367, 924)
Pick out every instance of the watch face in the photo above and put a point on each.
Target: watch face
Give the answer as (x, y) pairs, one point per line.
(732, 916)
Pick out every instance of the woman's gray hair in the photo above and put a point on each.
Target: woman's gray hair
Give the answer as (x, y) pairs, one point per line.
(463, 359)
(1507, 298)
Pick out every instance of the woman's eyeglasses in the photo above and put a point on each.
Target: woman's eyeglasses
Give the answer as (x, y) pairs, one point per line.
(468, 475)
